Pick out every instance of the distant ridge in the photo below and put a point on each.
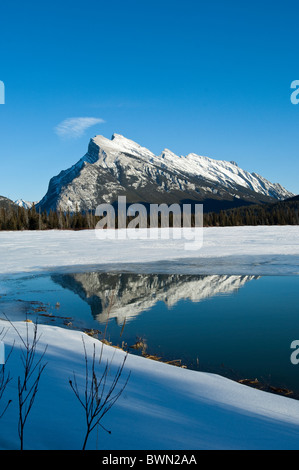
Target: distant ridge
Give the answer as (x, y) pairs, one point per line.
(25, 204)
(6, 203)
(284, 212)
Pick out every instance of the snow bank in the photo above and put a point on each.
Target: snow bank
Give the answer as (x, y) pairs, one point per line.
(162, 407)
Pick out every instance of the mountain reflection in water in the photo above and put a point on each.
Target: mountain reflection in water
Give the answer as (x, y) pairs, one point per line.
(240, 326)
(124, 296)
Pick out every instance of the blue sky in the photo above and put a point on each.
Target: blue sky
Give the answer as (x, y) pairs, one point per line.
(210, 77)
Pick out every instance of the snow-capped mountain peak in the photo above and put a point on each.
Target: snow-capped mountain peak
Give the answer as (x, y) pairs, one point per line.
(25, 204)
(120, 166)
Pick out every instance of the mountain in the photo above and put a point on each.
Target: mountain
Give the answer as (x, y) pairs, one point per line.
(121, 167)
(7, 203)
(292, 199)
(25, 204)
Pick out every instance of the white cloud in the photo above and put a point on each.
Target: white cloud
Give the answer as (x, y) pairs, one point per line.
(75, 127)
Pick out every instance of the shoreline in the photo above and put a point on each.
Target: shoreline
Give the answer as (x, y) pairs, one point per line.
(186, 409)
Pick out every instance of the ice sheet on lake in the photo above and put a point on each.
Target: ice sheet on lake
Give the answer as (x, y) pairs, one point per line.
(226, 250)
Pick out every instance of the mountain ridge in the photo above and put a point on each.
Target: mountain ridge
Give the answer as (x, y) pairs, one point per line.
(120, 166)
(7, 203)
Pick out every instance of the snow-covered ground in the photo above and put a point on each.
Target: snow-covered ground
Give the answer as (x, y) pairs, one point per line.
(225, 250)
(163, 407)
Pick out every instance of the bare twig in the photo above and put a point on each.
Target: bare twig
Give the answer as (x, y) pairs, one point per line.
(28, 384)
(99, 396)
(5, 377)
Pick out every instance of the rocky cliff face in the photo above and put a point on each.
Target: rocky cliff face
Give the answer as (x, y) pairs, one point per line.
(121, 167)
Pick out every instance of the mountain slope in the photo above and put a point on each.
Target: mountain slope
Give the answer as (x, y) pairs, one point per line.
(6, 203)
(120, 166)
(284, 212)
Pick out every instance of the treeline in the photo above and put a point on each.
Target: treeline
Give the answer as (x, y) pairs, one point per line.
(281, 213)
(31, 219)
